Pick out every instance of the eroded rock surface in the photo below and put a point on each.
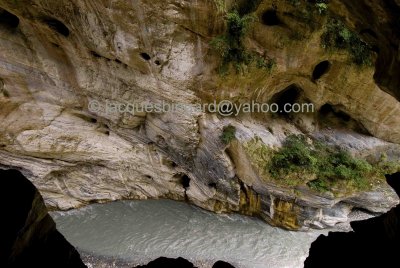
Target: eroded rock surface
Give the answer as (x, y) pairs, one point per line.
(62, 62)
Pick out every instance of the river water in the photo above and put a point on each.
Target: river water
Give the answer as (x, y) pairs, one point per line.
(139, 231)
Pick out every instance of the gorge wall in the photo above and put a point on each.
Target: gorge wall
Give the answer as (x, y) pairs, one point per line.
(61, 62)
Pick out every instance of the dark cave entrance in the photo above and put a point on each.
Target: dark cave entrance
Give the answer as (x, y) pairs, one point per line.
(320, 69)
(185, 181)
(270, 18)
(286, 98)
(9, 20)
(333, 116)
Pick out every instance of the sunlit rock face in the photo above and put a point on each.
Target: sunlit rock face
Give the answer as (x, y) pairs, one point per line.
(62, 63)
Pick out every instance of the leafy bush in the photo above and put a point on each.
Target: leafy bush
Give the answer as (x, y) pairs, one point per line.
(228, 134)
(231, 48)
(319, 185)
(230, 45)
(338, 36)
(294, 156)
(323, 165)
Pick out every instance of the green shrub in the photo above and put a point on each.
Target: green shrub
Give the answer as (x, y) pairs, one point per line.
(328, 165)
(230, 45)
(319, 185)
(294, 156)
(338, 36)
(231, 48)
(228, 134)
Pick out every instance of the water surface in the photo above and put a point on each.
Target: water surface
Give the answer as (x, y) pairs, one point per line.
(144, 230)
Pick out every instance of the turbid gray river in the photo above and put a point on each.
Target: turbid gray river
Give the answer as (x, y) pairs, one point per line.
(140, 231)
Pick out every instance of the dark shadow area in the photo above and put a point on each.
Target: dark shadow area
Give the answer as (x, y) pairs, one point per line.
(185, 181)
(145, 56)
(321, 69)
(332, 116)
(373, 243)
(28, 234)
(8, 20)
(57, 26)
(163, 262)
(270, 18)
(212, 185)
(286, 97)
(369, 32)
(222, 264)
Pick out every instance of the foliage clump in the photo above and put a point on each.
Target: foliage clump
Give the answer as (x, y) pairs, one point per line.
(338, 36)
(228, 134)
(231, 47)
(321, 166)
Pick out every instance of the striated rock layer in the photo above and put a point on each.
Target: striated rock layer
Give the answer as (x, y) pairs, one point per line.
(62, 62)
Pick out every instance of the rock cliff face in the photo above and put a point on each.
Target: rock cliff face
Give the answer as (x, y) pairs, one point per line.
(29, 235)
(63, 62)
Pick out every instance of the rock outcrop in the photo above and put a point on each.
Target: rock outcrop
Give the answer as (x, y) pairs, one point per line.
(63, 63)
(373, 243)
(28, 234)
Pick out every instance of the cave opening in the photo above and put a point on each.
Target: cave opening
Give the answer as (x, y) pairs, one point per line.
(327, 110)
(333, 116)
(320, 69)
(185, 181)
(270, 18)
(145, 56)
(9, 20)
(212, 185)
(57, 26)
(286, 98)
